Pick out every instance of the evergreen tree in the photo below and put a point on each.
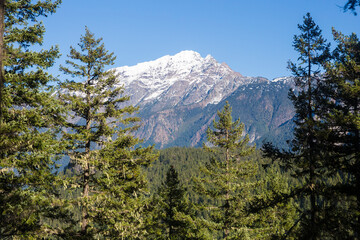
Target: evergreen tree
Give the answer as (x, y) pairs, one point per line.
(342, 124)
(106, 157)
(29, 117)
(274, 220)
(305, 157)
(269, 222)
(313, 52)
(352, 5)
(226, 179)
(175, 214)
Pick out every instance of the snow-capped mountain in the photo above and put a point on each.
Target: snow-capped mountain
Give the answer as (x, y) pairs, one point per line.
(185, 78)
(180, 95)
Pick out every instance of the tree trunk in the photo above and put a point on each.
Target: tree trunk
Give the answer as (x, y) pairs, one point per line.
(357, 187)
(227, 197)
(85, 214)
(311, 146)
(2, 57)
(86, 180)
(357, 176)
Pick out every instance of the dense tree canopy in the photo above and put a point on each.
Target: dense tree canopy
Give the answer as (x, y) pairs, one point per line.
(342, 129)
(29, 120)
(174, 215)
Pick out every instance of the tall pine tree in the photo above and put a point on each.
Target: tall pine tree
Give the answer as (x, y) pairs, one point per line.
(29, 117)
(106, 157)
(305, 157)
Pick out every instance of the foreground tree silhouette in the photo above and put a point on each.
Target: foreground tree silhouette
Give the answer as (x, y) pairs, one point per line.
(106, 160)
(342, 121)
(352, 5)
(305, 157)
(29, 117)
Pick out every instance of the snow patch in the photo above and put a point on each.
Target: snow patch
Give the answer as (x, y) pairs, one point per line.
(282, 79)
(159, 75)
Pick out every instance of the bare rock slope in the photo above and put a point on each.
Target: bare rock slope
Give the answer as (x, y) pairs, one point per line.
(180, 95)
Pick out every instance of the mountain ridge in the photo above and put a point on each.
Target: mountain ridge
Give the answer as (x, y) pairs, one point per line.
(179, 96)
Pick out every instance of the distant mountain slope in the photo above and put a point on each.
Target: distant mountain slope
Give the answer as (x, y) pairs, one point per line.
(180, 95)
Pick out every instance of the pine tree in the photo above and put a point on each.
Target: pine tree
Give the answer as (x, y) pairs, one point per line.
(351, 5)
(273, 218)
(313, 52)
(305, 157)
(106, 157)
(29, 117)
(175, 215)
(226, 179)
(342, 124)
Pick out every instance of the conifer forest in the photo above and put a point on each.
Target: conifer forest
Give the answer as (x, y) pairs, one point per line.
(113, 187)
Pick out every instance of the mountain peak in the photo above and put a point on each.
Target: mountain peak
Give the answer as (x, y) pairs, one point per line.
(182, 92)
(181, 64)
(191, 56)
(184, 78)
(187, 55)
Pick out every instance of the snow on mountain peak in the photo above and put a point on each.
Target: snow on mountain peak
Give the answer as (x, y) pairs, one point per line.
(185, 76)
(282, 79)
(187, 56)
(162, 69)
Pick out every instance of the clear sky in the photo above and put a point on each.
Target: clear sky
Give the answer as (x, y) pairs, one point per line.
(253, 37)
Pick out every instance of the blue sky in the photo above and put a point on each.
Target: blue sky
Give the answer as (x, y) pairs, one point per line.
(253, 37)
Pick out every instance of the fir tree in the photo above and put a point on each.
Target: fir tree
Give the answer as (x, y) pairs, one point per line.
(274, 220)
(305, 157)
(352, 5)
(106, 157)
(175, 215)
(226, 179)
(342, 128)
(29, 117)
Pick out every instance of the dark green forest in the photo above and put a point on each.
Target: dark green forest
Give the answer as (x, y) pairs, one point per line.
(115, 188)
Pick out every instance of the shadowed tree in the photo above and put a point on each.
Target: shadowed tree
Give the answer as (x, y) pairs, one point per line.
(175, 216)
(29, 120)
(305, 157)
(352, 5)
(342, 128)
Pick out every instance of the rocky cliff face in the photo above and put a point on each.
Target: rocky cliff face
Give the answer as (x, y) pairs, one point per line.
(180, 95)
